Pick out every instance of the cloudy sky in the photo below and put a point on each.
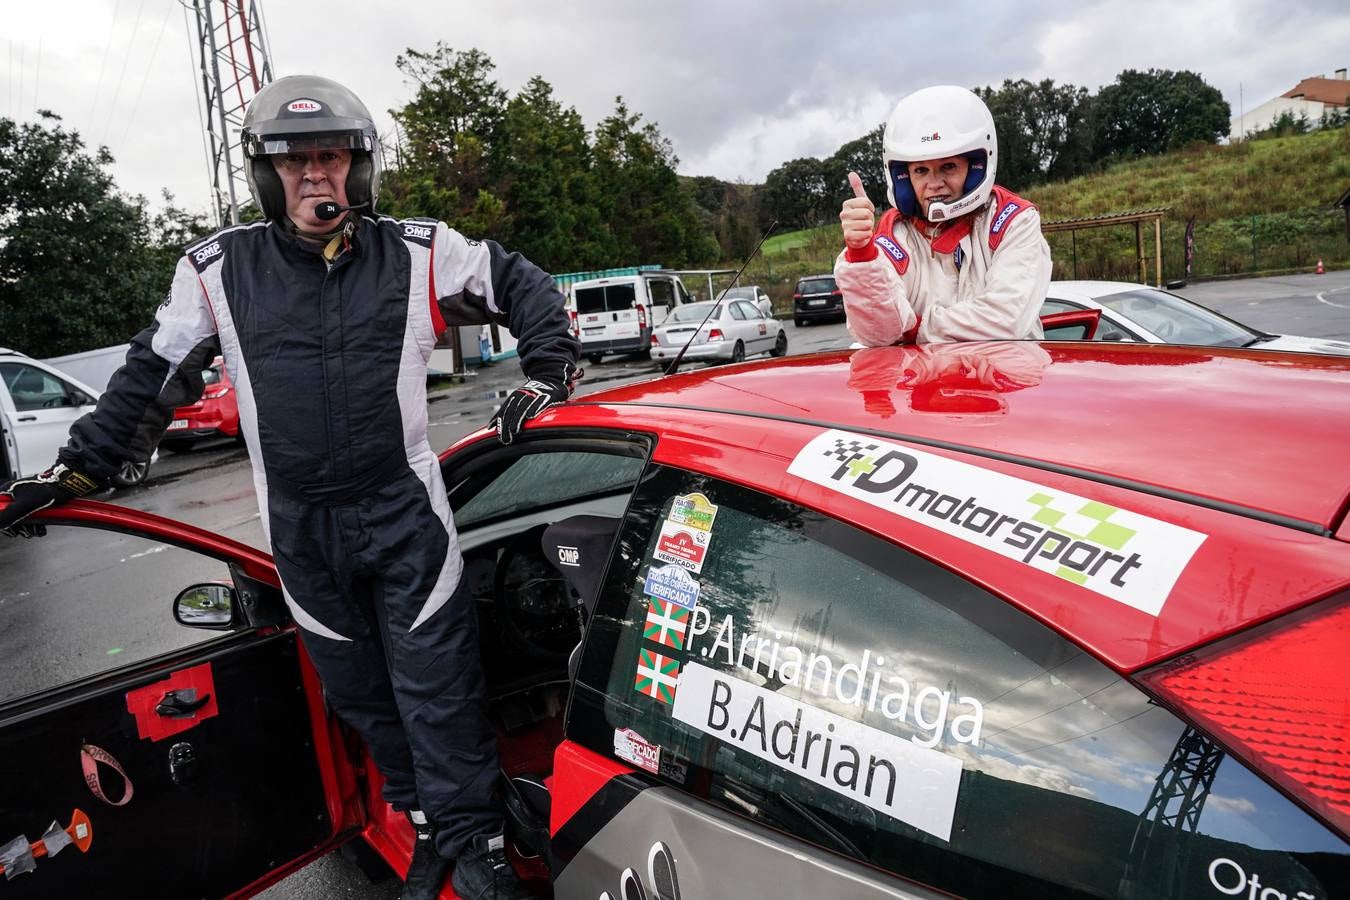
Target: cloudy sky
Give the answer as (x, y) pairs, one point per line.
(738, 87)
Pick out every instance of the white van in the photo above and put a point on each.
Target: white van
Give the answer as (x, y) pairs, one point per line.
(38, 404)
(617, 314)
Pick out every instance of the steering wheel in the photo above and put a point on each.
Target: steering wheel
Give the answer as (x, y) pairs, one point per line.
(535, 610)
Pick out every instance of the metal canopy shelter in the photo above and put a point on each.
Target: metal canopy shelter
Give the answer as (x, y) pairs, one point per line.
(1137, 217)
(705, 273)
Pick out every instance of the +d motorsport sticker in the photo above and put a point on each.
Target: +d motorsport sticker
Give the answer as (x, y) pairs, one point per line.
(1128, 557)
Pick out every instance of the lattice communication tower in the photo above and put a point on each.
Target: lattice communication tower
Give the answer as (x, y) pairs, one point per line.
(235, 64)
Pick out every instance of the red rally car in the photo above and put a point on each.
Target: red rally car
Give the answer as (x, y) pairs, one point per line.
(215, 414)
(987, 620)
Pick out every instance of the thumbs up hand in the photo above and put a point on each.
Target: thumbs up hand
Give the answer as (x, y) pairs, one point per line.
(857, 217)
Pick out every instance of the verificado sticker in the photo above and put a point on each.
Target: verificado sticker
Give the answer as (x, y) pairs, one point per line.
(1131, 558)
(891, 775)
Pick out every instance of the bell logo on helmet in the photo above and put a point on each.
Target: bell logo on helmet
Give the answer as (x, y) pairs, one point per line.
(930, 137)
(304, 106)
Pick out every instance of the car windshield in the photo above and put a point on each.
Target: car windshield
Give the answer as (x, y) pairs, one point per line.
(817, 286)
(694, 312)
(739, 293)
(1177, 320)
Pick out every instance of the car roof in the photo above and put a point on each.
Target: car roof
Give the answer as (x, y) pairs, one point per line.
(1098, 288)
(1263, 433)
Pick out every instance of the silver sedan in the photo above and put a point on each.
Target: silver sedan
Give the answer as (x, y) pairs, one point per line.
(734, 330)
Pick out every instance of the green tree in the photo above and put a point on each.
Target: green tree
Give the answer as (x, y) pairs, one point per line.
(448, 161)
(651, 214)
(547, 184)
(80, 266)
(729, 211)
(1043, 131)
(1156, 111)
(861, 155)
(797, 194)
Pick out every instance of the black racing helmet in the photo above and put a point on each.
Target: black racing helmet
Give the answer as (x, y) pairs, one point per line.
(300, 113)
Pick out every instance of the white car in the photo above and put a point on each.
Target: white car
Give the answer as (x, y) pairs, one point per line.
(38, 404)
(1138, 312)
(752, 292)
(734, 330)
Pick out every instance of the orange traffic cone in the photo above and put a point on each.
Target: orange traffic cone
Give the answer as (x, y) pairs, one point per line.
(1321, 270)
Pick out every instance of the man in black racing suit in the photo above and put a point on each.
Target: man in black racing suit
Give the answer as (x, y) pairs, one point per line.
(326, 320)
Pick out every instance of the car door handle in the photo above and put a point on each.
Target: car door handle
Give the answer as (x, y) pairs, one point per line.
(27, 418)
(181, 703)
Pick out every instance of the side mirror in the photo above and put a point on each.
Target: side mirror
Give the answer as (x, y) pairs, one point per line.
(212, 605)
(80, 398)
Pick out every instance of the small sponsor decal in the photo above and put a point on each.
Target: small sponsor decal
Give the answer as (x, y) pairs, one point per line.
(682, 545)
(657, 675)
(1131, 558)
(891, 247)
(694, 510)
(930, 137)
(304, 105)
(674, 583)
(1003, 215)
(569, 556)
(205, 253)
(889, 774)
(666, 624)
(632, 747)
(421, 232)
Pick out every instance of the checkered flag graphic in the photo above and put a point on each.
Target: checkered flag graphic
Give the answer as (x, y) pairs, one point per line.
(1089, 522)
(848, 451)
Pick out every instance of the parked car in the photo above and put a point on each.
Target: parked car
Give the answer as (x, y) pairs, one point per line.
(38, 404)
(216, 414)
(985, 620)
(752, 292)
(729, 331)
(817, 297)
(1138, 312)
(617, 314)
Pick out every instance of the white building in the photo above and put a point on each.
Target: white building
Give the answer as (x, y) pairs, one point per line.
(1310, 97)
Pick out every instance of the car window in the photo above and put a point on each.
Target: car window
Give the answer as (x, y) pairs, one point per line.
(824, 682)
(543, 480)
(739, 293)
(816, 286)
(738, 310)
(88, 602)
(607, 298)
(211, 375)
(32, 388)
(1050, 307)
(662, 292)
(694, 312)
(1177, 320)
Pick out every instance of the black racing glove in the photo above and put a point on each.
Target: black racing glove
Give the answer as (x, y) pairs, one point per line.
(53, 487)
(532, 398)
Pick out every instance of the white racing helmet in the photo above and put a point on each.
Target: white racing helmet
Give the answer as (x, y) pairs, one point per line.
(935, 123)
(306, 112)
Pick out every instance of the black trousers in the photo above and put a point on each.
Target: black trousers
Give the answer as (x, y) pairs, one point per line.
(362, 574)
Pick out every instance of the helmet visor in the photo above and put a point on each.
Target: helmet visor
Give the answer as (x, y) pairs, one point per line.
(274, 144)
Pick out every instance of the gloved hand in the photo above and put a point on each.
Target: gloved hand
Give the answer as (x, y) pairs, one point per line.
(57, 485)
(532, 398)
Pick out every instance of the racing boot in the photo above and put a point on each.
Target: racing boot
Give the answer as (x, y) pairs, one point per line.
(426, 872)
(482, 871)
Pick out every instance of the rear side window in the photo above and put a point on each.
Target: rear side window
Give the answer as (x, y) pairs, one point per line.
(789, 668)
(817, 286)
(607, 298)
(663, 292)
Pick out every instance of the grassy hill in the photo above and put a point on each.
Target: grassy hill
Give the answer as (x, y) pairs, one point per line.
(1259, 206)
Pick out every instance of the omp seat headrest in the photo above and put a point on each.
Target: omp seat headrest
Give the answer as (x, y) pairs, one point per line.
(578, 548)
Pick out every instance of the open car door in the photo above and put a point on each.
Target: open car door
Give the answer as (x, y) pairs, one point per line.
(206, 771)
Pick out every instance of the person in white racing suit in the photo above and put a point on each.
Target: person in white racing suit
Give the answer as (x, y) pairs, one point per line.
(956, 257)
(326, 318)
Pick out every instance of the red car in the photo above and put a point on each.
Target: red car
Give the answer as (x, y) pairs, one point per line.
(216, 414)
(986, 620)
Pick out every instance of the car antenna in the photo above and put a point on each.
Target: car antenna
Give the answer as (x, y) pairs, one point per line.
(675, 363)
